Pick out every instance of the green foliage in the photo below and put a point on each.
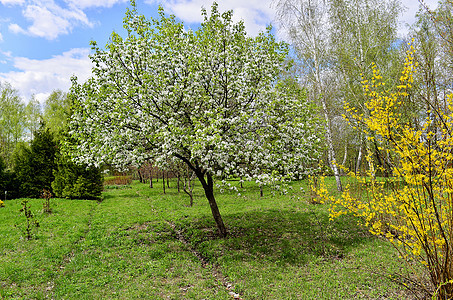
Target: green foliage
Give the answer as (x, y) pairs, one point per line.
(56, 112)
(12, 121)
(34, 165)
(22, 168)
(76, 182)
(8, 183)
(40, 167)
(33, 116)
(2, 175)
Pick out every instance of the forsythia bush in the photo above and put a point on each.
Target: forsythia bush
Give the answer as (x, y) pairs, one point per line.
(416, 215)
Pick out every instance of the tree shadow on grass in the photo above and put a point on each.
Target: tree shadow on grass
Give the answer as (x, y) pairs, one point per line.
(280, 236)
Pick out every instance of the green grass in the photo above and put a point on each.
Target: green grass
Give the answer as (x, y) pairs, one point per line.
(139, 243)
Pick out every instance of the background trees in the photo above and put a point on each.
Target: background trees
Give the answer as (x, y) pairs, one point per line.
(12, 121)
(336, 42)
(56, 111)
(409, 121)
(33, 117)
(30, 159)
(306, 23)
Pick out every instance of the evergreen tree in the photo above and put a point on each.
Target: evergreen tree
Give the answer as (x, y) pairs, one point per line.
(34, 165)
(8, 184)
(76, 182)
(2, 177)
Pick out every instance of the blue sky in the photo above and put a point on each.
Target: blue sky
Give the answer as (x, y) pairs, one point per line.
(44, 42)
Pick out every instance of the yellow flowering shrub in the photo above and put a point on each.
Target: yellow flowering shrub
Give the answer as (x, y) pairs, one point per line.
(415, 211)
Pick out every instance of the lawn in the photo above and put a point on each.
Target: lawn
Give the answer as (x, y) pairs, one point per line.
(141, 244)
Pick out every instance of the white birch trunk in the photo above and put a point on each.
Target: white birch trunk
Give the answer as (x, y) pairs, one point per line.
(330, 149)
(345, 156)
(359, 159)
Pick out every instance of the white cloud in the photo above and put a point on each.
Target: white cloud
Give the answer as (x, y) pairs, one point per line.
(45, 23)
(82, 4)
(1, 37)
(41, 97)
(8, 54)
(12, 2)
(50, 20)
(41, 77)
(256, 14)
(16, 28)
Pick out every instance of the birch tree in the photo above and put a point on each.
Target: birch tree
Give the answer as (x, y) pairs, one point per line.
(306, 23)
(56, 111)
(434, 55)
(12, 121)
(363, 33)
(209, 98)
(33, 116)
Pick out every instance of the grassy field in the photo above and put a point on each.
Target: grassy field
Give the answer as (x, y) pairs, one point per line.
(141, 244)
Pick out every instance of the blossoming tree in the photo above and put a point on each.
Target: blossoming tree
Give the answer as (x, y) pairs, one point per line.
(213, 98)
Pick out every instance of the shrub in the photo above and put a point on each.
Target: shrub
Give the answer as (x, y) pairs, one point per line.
(417, 215)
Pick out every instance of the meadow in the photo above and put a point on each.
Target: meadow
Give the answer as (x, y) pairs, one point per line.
(139, 243)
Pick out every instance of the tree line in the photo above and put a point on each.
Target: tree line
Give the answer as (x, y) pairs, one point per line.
(337, 43)
(31, 162)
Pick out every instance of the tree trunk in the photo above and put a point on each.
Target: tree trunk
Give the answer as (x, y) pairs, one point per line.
(318, 93)
(345, 156)
(140, 177)
(163, 180)
(331, 151)
(188, 188)
(151, 179)
(261, 191)
(381, 159)
(168, 183)
(359, 159)
(208, 187)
